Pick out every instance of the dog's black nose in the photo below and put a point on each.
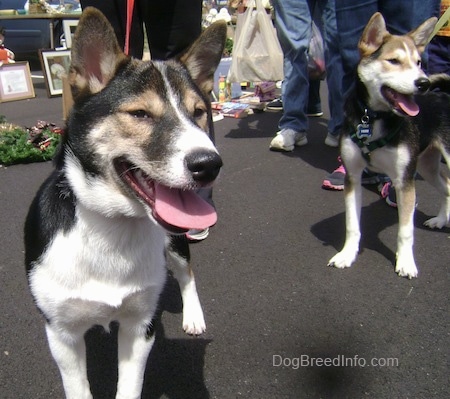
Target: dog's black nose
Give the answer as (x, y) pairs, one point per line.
(423, 84)
(204, 165)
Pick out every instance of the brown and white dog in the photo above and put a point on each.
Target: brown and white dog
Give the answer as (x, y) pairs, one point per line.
(395, 125)
(135, 151)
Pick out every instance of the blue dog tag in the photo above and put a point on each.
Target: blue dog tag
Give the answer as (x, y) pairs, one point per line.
(363, 131)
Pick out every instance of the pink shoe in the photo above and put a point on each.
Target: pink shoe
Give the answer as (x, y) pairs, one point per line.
(335, 181)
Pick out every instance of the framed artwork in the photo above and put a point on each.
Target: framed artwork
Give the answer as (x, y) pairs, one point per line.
(55, 65)
(15, 82)
(69, 26)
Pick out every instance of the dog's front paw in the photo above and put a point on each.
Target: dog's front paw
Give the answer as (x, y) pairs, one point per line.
(342, 259)
(436, 222)
(193, 321)
(406, 267)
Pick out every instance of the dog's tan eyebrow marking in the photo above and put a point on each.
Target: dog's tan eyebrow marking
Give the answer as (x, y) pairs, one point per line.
(401, 49)
(412, 52)
(149, 101)
(394, 48)
(192, 99)
(395, 52)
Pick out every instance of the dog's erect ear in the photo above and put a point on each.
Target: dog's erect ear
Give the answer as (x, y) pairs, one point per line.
(421, 34)
(203, 57)
(95, 53)
(373, 36)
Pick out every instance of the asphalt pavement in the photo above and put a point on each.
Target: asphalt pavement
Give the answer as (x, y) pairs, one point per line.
(280, 323)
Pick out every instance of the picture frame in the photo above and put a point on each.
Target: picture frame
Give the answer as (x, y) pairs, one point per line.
(55, 65)
(69, 27)
(15, 82)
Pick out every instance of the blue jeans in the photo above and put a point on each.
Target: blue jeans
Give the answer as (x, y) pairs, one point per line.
(352, 16)
(325, 9)
(439, 50)
(293, 22)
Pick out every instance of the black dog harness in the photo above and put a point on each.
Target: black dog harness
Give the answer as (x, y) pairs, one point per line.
(363, 133)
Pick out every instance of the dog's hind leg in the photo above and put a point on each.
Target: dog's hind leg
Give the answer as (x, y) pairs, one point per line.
(436, 173)
(69, 353)
(193, 319)
(406, 201)
(353, 197)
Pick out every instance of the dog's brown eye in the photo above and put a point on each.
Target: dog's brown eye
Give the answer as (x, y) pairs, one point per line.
(198, 113)
(394, 61)
(419, 63)
(139, 114)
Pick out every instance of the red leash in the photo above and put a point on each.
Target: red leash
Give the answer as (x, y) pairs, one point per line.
(130, 7)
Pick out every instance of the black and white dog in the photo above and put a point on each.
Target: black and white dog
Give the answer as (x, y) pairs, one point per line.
(135, 150)
(395, 126)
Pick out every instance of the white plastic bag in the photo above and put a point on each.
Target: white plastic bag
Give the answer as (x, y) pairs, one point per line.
(257, 54)
(316, 56)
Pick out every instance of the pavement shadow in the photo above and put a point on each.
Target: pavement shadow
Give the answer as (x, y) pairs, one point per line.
(174, 367)
(255, 126)
(344, 371)
(375, 218)
(316, 153)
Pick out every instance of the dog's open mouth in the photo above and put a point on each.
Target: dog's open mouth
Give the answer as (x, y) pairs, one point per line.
(175, 209)
(402, 103)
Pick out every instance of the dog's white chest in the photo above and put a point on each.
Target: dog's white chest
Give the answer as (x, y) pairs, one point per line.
(102, 261)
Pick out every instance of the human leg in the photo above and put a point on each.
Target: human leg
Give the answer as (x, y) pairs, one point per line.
(116, 11)
(333, 63)
(314, 103)
(404, 15)
(353, 15)
(351, 19)
(439, 55)
(172, 25)
(293, 23)
(314, 107)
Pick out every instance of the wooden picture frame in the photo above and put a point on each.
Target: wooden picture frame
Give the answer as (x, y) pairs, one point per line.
(69, 27)
(15, 82)
(55, 65)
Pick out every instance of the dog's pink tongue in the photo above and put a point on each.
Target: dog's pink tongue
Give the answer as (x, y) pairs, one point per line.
(184, 209)
(407, 105)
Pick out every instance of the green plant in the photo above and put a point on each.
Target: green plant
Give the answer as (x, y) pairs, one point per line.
(227, 51)
(25, 146)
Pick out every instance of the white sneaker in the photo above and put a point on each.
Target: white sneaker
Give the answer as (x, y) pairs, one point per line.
(332, 140)
(287, 139)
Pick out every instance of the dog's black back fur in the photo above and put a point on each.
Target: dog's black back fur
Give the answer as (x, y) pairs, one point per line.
(52, 209)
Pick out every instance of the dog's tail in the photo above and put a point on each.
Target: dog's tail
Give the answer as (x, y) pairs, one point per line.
(440, 81)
